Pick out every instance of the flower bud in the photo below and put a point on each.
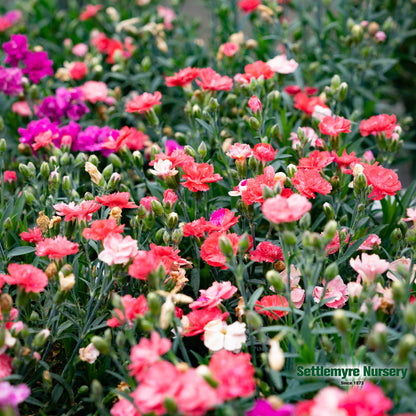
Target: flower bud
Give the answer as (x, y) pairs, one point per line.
(409, 314)
(96, 390)
(254, 319)
(335, 82)
(6, 303)
(213, 104)
(267, 192)
(289, 238)
(342, 91)
(396, 236)
(330, 230)
(137, 158)
(3, 145)
(331, 271)
(25, 171)
(166, 237)
(44, 170)
(202, 150)
(406, 344)
(254, 123)
(153, 302)
(226, 246)
(243, 243)
(275, 131)
(40, 338)
(328, 210)
(114, 181)
(196, 111)
(177, 236)
(305, 221)
(291, 170)
(157, 207)
(399, 292)
(189, 150)
(94, 173)
(274, 99)
(66, 184)
(275, 279)
(341, 321)
(101, 344)
(172, 220)
(276, 356)
(167, 313)
(108, 171)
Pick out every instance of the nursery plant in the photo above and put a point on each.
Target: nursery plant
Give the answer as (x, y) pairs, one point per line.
(204, 226)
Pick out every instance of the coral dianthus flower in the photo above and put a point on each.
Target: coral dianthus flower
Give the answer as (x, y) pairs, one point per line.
(144, 103)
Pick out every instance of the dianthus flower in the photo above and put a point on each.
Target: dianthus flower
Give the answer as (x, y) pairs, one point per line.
(234, 373)
(93, 138)
(194, 322)
(128, 136)
(133, 308)
(307, 104)
(372, 241)
(169, 197)
(163, 168)
(178, 158)
(26, 276)
(280, 210)
(77, 70)
(239, 151)
(272, 302)
(182, 78)
(211, 80)
(310, 136)
(195, 396)
(124, 407)
(15, 49)
(82, 211)
(346, 160)
(334, 126)
(196, 228)
(384, 181)
(9, 176)
(214, 295)
(11, 82)
(32, 236)
(56, 248)
(90, 11)
(117, 199)
(264, 152)
(38, 66)
(267, 252)
(309, 181)
(12, 395)
(161, 382)
(146, 353)
(143, 264)
(5, 368)
(383, 123)
(334, 245)
(198, 175)
(366, 400)
(369, 266)
(144, 103)
(118, 250)
(248, 6)
(211, 252)
(221, 220)
(22, 108)
(258, 69)
(253, 191)
(43, 139)
(169, 256)
(94, 91)
(229, 48)
(316, 160)
(336, 290)
(282, 65)
(100, 229)
(146, 202)
(254, 104)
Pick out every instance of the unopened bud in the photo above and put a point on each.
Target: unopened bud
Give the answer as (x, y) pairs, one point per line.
(153, 302)
(172, 220)
(254, 319)
(254, 123)
(399, 291)
(341, 321)
(328, 210)
(275, 279)
(6, 303)
(330, 230)
(267, 192)
(94, 173)
(157, 207)
(406, 344)
(289, 238)
(40, 338)
(276, 356)
(331, 271)
(3, 145)
(226, 246)
(44, 170)
(291, 170)
(101, 344)
(213, 104)
(202, 150)
(189, 150)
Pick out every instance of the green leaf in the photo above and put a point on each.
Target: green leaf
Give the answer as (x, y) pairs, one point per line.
(20, 251)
